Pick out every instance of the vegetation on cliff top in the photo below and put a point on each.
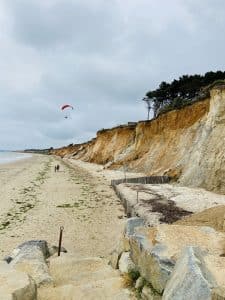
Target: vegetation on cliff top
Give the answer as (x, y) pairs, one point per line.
(184, 91)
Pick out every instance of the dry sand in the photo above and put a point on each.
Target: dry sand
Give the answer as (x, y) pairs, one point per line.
(35, 201)
(100, 172)
(213, 217)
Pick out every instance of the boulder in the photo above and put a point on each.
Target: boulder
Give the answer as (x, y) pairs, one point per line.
(132, 224)
(30, 257)
(114, 259)
(123, 244)
(15, 284)
(126, 265)
(25, 250)
(156, 250)
(155, 268)
(190, 278)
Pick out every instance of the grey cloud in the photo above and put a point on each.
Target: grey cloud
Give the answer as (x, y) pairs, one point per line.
(76, 23)
(101, 56)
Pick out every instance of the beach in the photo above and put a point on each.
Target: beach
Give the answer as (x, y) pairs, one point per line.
(35, 201)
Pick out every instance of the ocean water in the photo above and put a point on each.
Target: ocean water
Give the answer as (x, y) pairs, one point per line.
(7, 157)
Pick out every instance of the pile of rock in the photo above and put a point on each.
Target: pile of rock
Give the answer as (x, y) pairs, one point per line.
(25, 270)
(16, 284)
(32, 272)
(173, 261)
(170, 262)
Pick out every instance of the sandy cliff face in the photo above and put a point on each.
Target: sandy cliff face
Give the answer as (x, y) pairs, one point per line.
(187, 144)
(207, 160)
(110, 145)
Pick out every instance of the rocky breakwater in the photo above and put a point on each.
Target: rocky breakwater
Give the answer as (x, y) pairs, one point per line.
(172, 261)
(33, 272)
(25, 270)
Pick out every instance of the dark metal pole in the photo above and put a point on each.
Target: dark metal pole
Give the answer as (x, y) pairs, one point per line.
(60, 239)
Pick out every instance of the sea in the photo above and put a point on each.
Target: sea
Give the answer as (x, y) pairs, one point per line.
(7, 156)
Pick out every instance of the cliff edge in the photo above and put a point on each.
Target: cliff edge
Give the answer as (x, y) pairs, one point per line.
(187, 144)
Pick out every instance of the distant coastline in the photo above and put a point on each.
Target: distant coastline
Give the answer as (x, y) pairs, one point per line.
(38, 151)
(12, 156)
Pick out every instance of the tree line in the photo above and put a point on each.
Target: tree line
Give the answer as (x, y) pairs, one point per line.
(182, 92)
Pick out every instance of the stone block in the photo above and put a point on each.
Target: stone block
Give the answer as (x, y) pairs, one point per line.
(190, 278)
(155, 251)
(30, 257)
(15, 284)
(132, 224)
(126, 265)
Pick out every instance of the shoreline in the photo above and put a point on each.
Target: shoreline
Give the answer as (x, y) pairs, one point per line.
(15, 160)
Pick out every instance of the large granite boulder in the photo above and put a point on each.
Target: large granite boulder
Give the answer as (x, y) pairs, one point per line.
(15, 284)
(132, 224)
(153, 266)
(25, 250)
(190, 278)
(156, 250)
(123, 244)
(30, 257)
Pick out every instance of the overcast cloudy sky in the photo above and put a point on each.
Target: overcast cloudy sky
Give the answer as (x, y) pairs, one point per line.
(101, 56)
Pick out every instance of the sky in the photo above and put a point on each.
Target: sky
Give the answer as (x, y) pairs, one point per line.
(100, 56)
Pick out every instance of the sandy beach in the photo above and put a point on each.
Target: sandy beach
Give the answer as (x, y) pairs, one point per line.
(35, 201)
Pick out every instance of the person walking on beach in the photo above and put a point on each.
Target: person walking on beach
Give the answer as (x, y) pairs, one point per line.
(57, 168)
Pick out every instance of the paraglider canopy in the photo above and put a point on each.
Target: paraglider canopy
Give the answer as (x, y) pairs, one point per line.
(66, 108)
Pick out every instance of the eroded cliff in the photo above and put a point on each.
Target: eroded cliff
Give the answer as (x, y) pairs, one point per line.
(187, 144)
